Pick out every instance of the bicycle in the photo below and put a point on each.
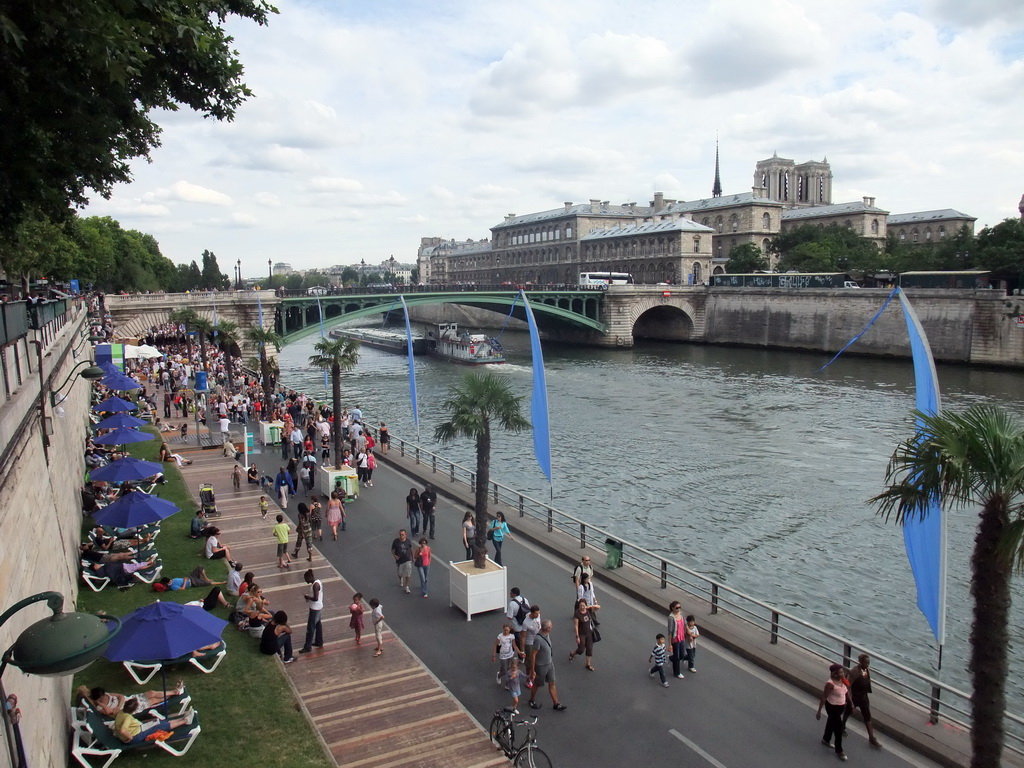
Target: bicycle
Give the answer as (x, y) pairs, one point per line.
(527, 754)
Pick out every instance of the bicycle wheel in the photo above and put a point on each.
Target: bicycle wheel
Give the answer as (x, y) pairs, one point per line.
(501, 734)
(532, 757)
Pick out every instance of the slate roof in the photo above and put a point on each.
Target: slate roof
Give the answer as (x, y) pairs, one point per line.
(839, 209)
(583, 209)
(649, 228)
(711, 203)
(922, 216)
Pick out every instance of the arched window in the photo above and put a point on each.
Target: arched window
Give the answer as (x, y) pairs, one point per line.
(942, 232)
(928, 233)
(696, 273)
(733, 222)
(913, 235)
(696, 245)
(903, 236)
(764, 245)
(718, 224)
(874, 226)
(766, 221)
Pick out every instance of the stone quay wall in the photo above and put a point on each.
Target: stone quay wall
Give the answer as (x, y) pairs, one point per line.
(40, 516)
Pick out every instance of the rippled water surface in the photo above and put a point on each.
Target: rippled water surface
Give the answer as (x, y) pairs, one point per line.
(745, 465)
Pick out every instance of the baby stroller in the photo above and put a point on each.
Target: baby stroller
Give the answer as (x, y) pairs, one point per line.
(208, 500)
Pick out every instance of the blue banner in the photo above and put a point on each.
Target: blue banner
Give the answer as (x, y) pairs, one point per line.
(412, 366)
(925, 539)
(539, 398)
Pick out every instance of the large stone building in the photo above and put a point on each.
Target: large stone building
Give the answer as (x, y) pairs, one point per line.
(671, 241)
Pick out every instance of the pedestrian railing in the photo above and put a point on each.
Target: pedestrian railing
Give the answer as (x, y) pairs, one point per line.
(937, 698)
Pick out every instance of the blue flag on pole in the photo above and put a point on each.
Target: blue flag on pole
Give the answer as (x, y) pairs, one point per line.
(925, 539)
(539, 398)
(412, 366)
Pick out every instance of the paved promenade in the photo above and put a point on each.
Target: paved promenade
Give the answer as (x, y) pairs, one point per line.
(422, 702)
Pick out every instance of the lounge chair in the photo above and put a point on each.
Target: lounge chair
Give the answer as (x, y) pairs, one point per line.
(97, 580)
(143, 671)
(177, 705)
(94, 740)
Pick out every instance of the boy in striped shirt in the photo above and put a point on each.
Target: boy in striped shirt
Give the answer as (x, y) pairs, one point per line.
(658, 656)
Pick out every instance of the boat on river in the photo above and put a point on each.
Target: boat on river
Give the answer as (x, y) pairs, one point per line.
(379, 338)
(448, 343)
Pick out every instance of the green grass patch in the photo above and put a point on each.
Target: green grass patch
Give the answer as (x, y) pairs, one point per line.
(248, 712)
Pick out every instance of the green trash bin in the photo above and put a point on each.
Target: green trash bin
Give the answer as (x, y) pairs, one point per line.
(275, 435)
(613, 549)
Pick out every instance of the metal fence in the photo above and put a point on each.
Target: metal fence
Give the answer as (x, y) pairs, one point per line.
(939, 699)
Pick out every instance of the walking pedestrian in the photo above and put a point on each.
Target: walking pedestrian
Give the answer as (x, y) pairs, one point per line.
(585, 591)
(378, 625)
(584, 625)
(531, 628)
(314, 627)
(860, 687)
(385, 438)
(542, 667)
(676, 632)
(428, 506)
(401, 550)
(264, 507)
(412, 510)
(658, 655)
(422, 563)
(335, 514)
(692, 633)
(371, 464)
(834, 697)
(468, 533)
(284, 486)
(316, 519)
(497, 532)
(504, 651)
(514, 681)
(236, 477)
(517, 610)
(355, 621)
(303, 533)
(281, 533)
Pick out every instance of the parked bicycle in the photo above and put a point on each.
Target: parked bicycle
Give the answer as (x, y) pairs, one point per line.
(524, 755)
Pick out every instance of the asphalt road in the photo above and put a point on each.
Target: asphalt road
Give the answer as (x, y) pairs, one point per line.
(727, 715)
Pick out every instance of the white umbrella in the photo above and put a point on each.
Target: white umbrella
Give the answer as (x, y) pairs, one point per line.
(144, 352)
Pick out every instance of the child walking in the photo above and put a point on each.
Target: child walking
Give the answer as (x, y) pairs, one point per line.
(264, 507)
(356, 612)
(692, 633)
(504, 652)
(658, 656)
(514, 680)
(378, 625)
(280, 530)
(236, 477)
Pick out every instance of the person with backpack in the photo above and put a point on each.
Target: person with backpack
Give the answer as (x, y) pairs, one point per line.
(518, 610)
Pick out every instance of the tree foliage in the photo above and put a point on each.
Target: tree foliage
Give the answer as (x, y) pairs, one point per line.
(810, 248)
(81, 82)
(746, 258)
(335, 355)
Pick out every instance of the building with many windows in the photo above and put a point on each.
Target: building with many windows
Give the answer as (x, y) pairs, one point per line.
(925, 227)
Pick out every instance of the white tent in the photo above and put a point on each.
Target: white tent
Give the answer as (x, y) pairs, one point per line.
(143, 352)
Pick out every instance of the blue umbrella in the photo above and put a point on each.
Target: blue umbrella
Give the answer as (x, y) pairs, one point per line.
(123, 470)
(115, 404)
(123, 437)
(163, 632)
(120, 421)
(117, 380)
(134, 509)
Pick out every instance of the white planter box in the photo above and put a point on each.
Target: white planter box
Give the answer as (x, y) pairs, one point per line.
(326, 477)
(477, 591)
(265, 432)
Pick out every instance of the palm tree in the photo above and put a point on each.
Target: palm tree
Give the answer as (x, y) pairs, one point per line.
(472, 406)
(204, 330)
(189, 318)
(336, 355)
(227, 337)
(261, 337)
(974, 458)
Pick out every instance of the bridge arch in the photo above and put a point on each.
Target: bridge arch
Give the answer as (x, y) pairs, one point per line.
(663, 320)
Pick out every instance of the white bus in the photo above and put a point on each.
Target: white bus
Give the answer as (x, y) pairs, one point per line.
(605, 278)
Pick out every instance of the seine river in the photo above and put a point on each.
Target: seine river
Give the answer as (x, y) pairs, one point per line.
(745, 465)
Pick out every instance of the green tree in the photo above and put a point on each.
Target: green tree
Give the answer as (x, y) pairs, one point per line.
(261, 337)
(808, 257)
(39, 248)
(80, 84)
(746, 258)
(335, 355)
(966, 460)
(212, 277)
(349, 276)
(476, 403)
(227, 340)
(1001, 249)
(190, 319)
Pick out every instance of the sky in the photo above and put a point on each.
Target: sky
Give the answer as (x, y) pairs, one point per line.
(377, 123)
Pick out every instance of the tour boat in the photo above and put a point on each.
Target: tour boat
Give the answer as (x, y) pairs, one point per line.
(379, 338)
(448, 343)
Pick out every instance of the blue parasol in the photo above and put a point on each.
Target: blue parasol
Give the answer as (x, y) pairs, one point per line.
(123, 437)
(118, 381)
(123, 470)
(114, 404)
(120, 421)
(134, 509)
(163, 632)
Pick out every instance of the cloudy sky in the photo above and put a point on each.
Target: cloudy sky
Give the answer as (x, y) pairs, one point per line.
(378, 123)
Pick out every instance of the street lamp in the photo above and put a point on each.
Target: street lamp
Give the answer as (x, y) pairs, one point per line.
(270, 273)
(61, 644)
(238, 285)
(91, 373)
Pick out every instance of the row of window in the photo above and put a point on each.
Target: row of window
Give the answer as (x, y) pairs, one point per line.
(915, 236)
(541, 235)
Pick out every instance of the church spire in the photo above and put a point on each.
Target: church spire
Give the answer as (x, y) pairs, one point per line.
(716, 190)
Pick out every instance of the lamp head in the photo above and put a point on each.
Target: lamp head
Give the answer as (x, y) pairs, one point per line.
(93, 373)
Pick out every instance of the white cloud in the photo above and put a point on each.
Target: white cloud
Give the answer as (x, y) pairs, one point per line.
(186, 192)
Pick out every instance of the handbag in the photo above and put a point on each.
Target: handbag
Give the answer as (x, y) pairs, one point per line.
(596, 633)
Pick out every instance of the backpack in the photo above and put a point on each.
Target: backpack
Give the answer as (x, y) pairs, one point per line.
(523, 612)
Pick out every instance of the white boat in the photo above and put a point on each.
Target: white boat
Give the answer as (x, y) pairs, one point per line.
(447, 343)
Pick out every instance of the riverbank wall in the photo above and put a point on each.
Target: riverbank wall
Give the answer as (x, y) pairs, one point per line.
(40, 514)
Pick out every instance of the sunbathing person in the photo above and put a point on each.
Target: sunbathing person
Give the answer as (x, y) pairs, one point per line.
(110, 704)
(120, 574)
(177, 458)
(131, 731)
(91, 554)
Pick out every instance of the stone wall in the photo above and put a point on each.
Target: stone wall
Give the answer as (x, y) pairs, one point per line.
(40, 516)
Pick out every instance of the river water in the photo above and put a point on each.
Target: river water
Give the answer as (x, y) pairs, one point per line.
(745, 465)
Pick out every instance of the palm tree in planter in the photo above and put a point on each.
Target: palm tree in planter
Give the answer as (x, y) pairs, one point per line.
(191, 320)
(204, 332)
(227, 339)
(972, 459)
(477, 402)
(261, 337)
(335, 355)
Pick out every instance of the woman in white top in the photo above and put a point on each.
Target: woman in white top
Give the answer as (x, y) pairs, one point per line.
(585, 591)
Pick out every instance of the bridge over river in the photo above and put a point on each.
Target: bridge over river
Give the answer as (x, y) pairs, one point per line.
(964, 326)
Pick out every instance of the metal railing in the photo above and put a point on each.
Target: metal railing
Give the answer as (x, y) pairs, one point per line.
(934, 696)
